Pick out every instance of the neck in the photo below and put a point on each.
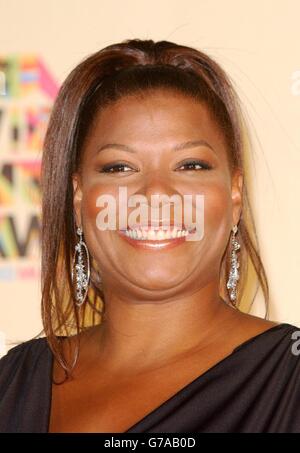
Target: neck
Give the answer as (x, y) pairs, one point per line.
(153, 332)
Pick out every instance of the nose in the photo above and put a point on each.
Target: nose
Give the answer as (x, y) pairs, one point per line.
(156, 182)
(159, 192)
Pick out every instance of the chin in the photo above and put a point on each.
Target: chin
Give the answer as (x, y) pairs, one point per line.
(159, 279)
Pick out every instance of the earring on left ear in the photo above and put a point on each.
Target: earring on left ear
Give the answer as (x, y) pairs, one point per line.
(82, 270)
(234, 273)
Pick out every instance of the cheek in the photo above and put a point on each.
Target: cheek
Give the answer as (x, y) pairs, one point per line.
(217, 217)
(217, 203)
(217, 199)
(98, 242)
(90, 210)
(217, 211)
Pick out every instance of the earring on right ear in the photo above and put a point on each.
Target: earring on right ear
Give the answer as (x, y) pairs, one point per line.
(81, 269)
(234, 273)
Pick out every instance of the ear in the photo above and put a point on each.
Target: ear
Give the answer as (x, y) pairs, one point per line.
(237, 195)
(77, 197)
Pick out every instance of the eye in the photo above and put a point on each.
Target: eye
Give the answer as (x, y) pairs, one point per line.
(116, 168)
(193, 164)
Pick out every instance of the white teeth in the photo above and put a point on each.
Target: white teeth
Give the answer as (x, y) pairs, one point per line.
(155, 235)
(174, 233)
(160, 235)
(151, 234)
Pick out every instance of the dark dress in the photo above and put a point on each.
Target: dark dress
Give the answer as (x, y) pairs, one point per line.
(254, 389)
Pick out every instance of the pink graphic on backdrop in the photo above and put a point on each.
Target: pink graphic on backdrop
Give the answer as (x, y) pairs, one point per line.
(22, 128)
(47, 83)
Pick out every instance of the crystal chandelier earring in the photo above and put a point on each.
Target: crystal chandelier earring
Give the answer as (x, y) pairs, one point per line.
(234, 273)
(81, 275)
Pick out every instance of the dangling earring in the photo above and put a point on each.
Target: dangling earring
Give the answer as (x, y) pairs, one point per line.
(234, 273)
(82, 271)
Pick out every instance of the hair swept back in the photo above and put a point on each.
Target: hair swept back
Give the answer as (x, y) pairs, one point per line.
(131, 67)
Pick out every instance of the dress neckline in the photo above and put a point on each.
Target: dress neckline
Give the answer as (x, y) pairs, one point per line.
(186, 386)
(205, 373)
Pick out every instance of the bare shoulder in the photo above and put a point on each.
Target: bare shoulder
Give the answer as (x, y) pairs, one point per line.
(248, 326)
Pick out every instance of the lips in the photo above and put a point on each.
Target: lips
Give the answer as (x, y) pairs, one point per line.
(153, 244)
(148, 240)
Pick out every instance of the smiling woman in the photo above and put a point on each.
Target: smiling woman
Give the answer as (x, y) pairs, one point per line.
(144, 331)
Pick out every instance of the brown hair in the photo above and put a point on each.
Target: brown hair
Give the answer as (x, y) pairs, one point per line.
(132, 67)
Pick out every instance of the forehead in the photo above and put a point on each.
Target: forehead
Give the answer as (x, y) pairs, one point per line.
(156, 119)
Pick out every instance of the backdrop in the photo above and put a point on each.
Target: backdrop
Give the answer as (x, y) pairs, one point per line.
(256, 42)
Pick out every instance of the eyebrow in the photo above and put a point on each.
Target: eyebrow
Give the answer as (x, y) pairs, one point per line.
(184, 145)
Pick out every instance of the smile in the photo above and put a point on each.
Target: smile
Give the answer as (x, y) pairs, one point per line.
(154, 238)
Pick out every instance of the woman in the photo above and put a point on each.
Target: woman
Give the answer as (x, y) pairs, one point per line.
(173, 352)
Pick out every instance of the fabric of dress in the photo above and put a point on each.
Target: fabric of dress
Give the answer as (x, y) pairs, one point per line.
(254, 389)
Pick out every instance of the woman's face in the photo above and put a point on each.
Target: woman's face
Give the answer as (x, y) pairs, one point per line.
(152, 126)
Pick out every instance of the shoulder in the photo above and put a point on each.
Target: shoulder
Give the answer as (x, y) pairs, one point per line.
(270, 341)
(262, 337)
(25, 385)
(34, 344)
(23, 357)
(246, 326)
